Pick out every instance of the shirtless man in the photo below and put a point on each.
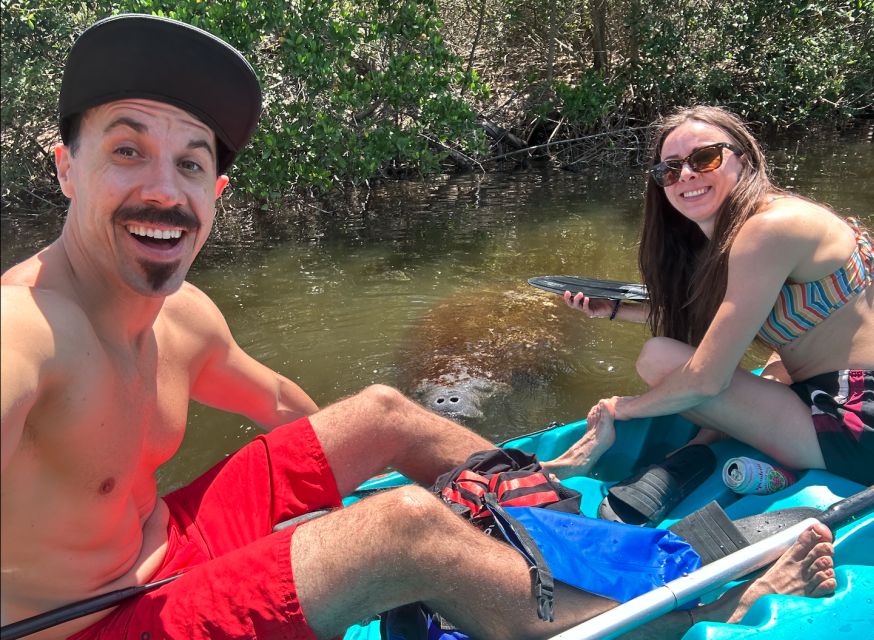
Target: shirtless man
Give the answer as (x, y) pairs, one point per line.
(103, 346)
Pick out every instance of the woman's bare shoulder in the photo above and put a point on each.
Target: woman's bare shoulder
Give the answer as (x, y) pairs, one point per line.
(793, 218)
(807, 235)
(792, 209)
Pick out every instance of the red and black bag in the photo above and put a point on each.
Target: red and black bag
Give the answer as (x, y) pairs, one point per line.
(478, 490)
(514, 477)
(490, 480)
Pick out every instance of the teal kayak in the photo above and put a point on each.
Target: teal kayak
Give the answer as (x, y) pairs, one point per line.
(847, 615)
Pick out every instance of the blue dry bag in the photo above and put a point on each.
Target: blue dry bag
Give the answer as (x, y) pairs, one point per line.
(610, 559)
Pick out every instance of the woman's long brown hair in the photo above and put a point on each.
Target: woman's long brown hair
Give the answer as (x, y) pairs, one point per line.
(686, 273)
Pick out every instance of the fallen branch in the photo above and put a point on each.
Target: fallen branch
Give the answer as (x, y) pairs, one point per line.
(550, 143)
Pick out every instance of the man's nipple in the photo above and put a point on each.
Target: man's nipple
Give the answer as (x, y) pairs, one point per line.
(107, 486)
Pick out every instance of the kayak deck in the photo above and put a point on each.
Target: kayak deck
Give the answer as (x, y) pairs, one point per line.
(849, 614)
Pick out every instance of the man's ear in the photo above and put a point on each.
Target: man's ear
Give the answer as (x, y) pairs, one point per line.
(62, 167)
(220, 184)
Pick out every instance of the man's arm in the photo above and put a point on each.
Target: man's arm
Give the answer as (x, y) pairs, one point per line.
(227, 378)
(19, 369)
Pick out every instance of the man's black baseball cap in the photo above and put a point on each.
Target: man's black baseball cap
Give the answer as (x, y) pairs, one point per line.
(140, 56)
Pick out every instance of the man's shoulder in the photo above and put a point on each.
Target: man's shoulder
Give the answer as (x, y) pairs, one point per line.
(25, 303)
(35, 319)
(192, 312)
(190, 300)
(32, 271)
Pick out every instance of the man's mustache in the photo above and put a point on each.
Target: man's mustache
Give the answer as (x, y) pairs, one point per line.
(172, 217)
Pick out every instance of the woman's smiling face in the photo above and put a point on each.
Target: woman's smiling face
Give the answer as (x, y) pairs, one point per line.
(698, 196)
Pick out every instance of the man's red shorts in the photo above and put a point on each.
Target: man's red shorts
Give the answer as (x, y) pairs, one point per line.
(238, 580)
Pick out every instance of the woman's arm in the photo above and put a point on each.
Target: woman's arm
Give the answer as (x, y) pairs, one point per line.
(766, 251)
(612, 309)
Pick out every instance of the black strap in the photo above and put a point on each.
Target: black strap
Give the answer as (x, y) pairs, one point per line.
(521, 540)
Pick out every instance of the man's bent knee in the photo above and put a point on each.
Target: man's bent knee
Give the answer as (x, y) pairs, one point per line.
(382, 397)
(417, 512)
(395, 528)
(413, 523)
(366, 558)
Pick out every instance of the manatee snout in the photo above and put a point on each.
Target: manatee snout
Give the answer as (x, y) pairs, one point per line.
(455, 401)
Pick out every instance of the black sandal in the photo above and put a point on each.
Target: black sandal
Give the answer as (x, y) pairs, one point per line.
(650, 495)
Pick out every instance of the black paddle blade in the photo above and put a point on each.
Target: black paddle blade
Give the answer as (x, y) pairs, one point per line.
(713, 535)
(592, 287)
(842, 512)
(710, 532)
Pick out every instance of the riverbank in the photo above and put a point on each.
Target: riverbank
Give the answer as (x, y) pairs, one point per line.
(358, 93)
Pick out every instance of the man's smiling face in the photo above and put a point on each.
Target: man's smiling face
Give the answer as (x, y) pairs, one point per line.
(142, 186)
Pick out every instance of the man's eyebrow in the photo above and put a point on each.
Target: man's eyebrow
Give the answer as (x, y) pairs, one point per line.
(139, 127)
(200, 143)
(124, 121)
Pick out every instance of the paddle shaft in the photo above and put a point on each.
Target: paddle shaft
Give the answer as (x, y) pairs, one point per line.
(846, 511)
(77, 610)
(106, 600)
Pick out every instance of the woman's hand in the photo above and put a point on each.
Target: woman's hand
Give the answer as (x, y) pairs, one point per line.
(592, 307)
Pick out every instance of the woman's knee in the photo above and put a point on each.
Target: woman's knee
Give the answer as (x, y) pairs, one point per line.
(659, 356)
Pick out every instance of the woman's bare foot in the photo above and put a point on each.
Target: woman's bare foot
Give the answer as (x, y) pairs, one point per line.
(805, 569)
(585, 452)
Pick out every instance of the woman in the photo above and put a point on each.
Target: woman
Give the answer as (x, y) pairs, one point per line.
(728, 258)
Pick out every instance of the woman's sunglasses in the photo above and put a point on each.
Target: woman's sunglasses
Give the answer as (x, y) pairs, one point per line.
(701, 160)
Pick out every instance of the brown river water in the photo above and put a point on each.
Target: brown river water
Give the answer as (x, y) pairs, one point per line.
(336, 302)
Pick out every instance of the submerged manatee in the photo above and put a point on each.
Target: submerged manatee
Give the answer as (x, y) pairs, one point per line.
(481, 343)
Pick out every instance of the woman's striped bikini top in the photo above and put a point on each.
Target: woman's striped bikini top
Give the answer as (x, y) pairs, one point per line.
(802, 305)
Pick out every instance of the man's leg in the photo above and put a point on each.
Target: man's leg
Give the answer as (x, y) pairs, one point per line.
(805, 569)
(404, 546)
(379, 428)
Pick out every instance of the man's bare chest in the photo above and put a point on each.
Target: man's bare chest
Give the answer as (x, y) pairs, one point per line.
(113, 421)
